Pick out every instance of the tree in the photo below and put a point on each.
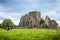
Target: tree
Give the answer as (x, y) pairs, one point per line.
(7, 23)
(0, 26)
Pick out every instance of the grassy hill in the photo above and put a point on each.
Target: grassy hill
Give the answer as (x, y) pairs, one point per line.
(30, 34)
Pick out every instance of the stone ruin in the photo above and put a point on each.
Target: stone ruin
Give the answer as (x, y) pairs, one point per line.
(33, 20)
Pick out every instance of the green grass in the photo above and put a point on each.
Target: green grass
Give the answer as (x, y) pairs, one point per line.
(30, 34)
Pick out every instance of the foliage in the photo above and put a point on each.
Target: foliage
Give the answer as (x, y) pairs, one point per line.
(30, 34)
(0, 26)
(7, 23)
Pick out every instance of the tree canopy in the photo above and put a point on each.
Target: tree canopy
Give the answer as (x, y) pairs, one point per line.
(7, 23)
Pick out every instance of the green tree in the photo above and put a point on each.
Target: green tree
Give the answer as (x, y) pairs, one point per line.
(7, 23)
(0, 26)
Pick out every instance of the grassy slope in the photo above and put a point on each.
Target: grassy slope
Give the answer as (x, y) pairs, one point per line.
(30, 34)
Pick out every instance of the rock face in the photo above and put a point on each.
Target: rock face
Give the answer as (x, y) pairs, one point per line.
(33, 20)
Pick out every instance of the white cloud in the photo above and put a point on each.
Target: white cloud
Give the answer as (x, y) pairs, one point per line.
(15, 17)
(58, 23)
(53, 14)
(1, 21)
(16, 21)
(1, 13)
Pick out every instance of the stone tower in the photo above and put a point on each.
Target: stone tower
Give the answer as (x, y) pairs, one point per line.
(30, 20)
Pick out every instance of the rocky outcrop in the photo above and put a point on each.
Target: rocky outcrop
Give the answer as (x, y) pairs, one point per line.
(33, 20)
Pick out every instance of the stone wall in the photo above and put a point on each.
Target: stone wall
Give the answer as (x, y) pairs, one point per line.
(33, 20)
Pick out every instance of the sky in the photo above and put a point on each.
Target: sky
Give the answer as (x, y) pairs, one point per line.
(14, 9)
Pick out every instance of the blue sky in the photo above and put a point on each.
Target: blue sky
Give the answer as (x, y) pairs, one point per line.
(14, 9)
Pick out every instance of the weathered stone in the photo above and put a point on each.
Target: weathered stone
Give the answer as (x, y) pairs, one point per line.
(41, 21)
(50, 23)
(43, 25)
(53, 24)
(30, 20)
(47, 21)
(33, 20)
(36, 15)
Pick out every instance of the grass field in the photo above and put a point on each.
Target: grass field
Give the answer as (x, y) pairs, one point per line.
(30, 34)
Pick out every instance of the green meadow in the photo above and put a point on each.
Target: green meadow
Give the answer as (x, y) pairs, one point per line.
(30, 34)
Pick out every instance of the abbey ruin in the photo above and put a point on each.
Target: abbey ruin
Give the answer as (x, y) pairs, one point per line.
(33, 20)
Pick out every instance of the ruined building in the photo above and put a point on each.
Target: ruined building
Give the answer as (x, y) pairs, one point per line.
(33, 20)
